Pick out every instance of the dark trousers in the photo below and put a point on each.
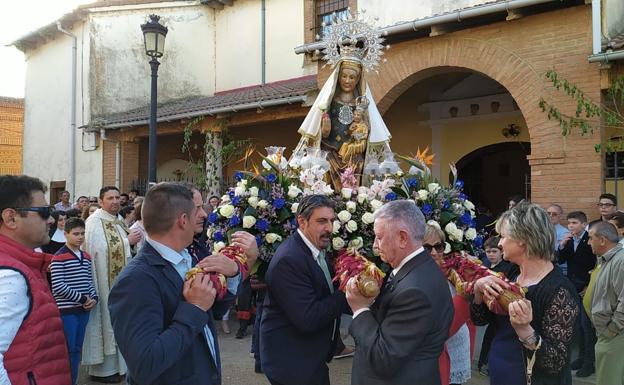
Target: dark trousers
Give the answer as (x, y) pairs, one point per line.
(485, 346)
(255, 338)
(587, 335)
(323, 381)
(74, 326)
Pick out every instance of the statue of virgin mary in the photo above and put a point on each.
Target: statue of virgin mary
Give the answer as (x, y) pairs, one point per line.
(329, 125)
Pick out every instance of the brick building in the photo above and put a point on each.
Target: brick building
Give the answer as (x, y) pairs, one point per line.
(11, 126)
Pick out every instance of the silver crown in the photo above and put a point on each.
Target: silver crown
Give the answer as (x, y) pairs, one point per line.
(341, 39)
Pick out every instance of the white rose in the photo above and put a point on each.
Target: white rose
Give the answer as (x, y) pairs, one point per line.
(344, 216)
(433, 188)
(293, 191)
(226, 211)
(447, 247)
(399, 173)
(338, 243)
(361, 198)
(218, 246)
(327, 190)
(263, 204)
(434, 224)
(453, 232)
(351, 206)
(294, 207)
(368, 218)
(351, 226)
(376, 204)
(336, 227)
(468, 205)
(253, 201)
(225, 198)
(422, 195)
(239, 190)
(471, 234)
(356, 243)
(253, 191)
(346, 193)
(248, 221)
(272, 238)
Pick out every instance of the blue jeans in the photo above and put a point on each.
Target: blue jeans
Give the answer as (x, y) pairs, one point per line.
(74, 326)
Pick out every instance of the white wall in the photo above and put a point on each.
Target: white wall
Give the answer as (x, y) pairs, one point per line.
(238, 41)
(47, 117)
(120, 74)
(391, 12)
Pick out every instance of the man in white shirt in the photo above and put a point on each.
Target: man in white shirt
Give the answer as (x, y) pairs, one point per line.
(399, 335)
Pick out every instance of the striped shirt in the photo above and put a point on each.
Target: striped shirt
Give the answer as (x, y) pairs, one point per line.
(72, 280)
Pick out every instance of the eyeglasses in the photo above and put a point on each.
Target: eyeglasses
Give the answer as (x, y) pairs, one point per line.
(439, 247)
(93, 201)
(604, 205)
(43, 211)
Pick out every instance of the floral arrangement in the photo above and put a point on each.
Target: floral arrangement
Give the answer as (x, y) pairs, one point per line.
(264, 203)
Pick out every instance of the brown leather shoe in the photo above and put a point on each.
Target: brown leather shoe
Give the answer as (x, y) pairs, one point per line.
(346, 352)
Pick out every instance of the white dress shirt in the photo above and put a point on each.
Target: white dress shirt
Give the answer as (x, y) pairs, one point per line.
(395, 271)
(14, 304)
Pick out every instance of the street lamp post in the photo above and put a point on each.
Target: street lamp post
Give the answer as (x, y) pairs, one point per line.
(154, 37)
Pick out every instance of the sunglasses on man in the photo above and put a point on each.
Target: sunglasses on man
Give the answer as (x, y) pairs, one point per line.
(439, 247)
(44, 211)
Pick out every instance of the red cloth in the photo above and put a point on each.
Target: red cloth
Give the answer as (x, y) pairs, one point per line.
(462, 315)
(38, 353)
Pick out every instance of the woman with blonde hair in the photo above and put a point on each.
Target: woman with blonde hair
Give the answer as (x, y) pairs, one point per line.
(532, 343)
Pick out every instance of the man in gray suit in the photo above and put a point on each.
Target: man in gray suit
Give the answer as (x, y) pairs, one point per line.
(400, 334)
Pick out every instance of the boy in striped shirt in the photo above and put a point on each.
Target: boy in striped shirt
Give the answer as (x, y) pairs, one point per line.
(73, 289)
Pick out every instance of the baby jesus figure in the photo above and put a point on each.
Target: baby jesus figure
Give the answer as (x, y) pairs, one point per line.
(352, 151)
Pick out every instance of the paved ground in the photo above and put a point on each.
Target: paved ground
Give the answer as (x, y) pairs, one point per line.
(238, 366)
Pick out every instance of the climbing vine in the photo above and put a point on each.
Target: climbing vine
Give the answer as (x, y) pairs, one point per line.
(588, 114)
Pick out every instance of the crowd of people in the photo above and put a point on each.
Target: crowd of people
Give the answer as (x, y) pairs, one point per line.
(104, 283)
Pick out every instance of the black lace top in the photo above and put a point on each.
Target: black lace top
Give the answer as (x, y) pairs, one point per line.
(555, 307)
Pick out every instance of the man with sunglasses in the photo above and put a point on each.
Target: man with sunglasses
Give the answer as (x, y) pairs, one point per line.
(32, 342)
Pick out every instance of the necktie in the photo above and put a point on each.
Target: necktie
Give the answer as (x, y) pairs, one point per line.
(323, 264)
(389, 281)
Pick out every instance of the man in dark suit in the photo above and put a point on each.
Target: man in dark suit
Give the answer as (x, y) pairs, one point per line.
(300, 320)
(400, 335)
(162, 323)
(576, 251)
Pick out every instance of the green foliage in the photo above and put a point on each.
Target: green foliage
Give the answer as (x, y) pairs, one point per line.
(203, 174)
(588, 115)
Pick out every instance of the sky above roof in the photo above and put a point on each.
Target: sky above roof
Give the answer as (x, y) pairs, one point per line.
(19, 18)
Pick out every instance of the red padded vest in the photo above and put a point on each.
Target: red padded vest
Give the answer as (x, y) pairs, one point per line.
(38, 353)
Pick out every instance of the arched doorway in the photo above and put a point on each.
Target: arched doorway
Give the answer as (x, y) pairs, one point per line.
(493, 173)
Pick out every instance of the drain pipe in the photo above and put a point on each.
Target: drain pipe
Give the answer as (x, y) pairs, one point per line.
(263, 40)
(117, 156)
(596, 26)
(72, 118)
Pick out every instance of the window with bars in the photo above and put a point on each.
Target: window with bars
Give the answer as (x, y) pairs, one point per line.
(614, 165)
(324, 11)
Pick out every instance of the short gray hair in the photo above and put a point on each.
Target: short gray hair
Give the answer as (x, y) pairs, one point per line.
(529, 223)
(558, 207)
(605, 229)
(407, 213)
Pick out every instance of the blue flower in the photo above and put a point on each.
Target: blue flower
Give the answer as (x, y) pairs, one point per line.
(238, 175)
(412, 182)
(218, 236)
(463, 196)
(236, 200)
(478, 241)
(258, 240)
(466, 218)
(446, 205)
(271, 178)
(231, 194)
(234, 221)
(459, 184)
(213, 217)
(391, 196)
(262, 224)
(279, 203)
(427, 209)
